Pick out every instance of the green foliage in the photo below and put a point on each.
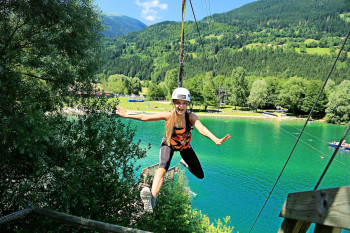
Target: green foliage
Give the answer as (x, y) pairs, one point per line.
(258, 94)
(46, 49)
(292, 93)
(171, 81)
(195, 86)
(156, 92)
(85, 167)
(285, 13)
(274, 85)
(208, 93)
(122, 84)
(81, 165)
(173, 212)
(239, 91)
(311, 93)
(338, 107)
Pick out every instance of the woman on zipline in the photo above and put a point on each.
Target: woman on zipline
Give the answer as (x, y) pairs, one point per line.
(178, 126)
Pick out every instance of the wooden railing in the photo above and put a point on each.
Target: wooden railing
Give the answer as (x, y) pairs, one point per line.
(329, 209)
(69, 220)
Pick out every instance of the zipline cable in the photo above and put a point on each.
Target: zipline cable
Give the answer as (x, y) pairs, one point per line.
(310, 134)
(200, 36)
(316, 149)
(182, 56)
(331, 160)
(307, 120)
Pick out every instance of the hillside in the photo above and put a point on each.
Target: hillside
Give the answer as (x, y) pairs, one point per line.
(322, 14)
(119, 25)
(281, 38)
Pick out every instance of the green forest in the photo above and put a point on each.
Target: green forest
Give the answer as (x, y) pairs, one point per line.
(84, 165)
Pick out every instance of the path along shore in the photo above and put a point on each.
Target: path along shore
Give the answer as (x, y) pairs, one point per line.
(265, 116)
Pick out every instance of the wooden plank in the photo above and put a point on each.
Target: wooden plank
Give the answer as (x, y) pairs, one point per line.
(326, 229)
(84, 222)
(329, 207)
(15, 215)
(293, 226)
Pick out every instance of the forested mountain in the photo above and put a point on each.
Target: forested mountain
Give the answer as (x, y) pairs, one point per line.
(321, 14)
(119, 25)
(281, 38)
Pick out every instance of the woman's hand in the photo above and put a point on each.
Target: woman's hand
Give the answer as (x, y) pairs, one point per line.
(221, 140)
(121, 111)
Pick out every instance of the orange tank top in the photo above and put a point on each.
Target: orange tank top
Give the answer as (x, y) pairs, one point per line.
(181, 137)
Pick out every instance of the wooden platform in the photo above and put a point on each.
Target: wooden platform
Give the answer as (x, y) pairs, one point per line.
(328, 208)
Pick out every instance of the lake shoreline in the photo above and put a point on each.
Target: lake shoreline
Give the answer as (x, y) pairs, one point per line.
(222, 115)
(81, 112)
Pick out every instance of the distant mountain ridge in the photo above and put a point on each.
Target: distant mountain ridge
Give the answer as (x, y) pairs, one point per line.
(285, 13)
(121, 24)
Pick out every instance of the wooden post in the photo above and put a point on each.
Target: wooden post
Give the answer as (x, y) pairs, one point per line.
(294, 226)
(326, 229)
(83, 222)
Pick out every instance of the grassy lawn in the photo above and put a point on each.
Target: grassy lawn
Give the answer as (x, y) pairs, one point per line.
(192, 41)
(252, 45)
(213, 36)
(345, 16)
(308, 41)
(319, 51)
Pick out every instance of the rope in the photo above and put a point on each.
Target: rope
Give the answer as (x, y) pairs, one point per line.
(200, 36)
(15, 215)
(331, 160)
(306, 122)
(182, 56)
(310, 134)
(303, 141)
(208, 10)
(315, 148)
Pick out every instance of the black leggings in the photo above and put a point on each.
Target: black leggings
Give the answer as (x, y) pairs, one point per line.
(166, 154)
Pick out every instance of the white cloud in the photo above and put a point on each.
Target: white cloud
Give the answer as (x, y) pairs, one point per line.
(148, 9)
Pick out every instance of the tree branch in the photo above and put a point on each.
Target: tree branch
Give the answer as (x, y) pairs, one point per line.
(18, 26)
(37, 77)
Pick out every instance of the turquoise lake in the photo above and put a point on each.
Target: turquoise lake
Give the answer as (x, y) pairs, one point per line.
(240, 173)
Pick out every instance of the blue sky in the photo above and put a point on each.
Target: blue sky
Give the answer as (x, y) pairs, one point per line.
(155, 11)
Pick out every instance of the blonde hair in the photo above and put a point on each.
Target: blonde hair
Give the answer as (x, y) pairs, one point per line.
(169, 125)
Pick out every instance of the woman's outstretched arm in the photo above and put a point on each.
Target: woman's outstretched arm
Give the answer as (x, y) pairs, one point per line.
(206, 132)
(143, 117)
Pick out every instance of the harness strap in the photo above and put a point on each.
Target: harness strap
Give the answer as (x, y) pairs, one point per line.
(183, 140)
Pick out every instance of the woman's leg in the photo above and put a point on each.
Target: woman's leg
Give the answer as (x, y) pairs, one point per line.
(193, 164)
(158, 181)
(165, 156)
(149, 197)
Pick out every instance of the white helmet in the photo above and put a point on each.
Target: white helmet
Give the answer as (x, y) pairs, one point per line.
(181, 93)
